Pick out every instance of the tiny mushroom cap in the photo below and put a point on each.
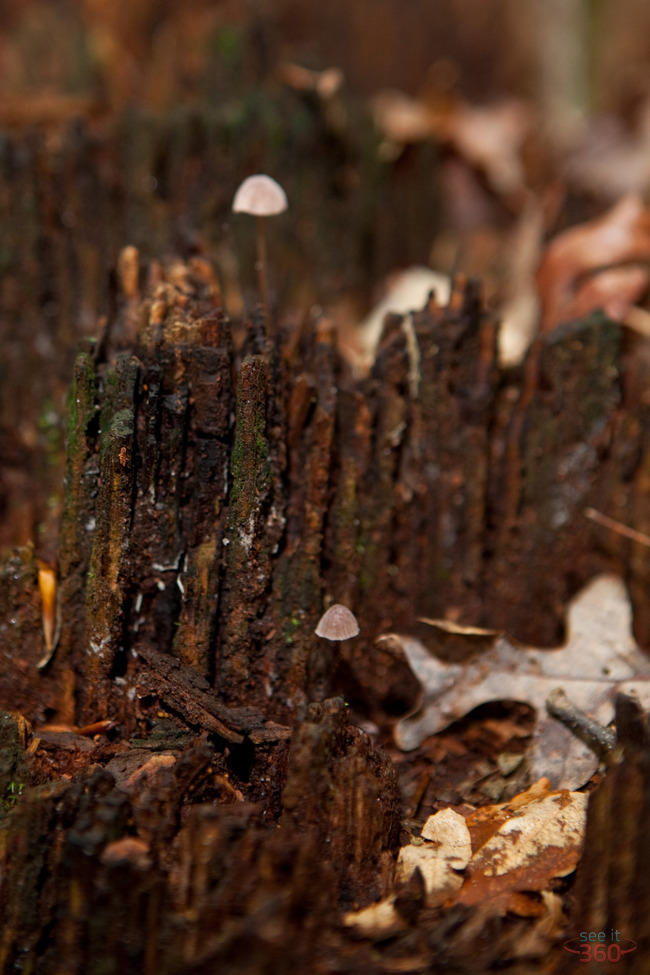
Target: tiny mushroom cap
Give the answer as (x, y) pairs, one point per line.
(260, 196)
(338, 623)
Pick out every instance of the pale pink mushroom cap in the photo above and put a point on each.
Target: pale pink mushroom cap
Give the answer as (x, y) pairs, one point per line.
(260, 196)
(338, 623)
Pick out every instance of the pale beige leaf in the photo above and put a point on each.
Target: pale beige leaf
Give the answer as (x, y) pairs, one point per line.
(599, 659)
(441, 880)
(448, 830)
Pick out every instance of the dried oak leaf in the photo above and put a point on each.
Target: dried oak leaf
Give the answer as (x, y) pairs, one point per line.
(440, 856)
(490, 138)
(599, 659)
(504, 856)
(599, 264)
(611, 159)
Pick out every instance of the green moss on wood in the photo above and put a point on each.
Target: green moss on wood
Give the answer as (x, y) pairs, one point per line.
(113, 515)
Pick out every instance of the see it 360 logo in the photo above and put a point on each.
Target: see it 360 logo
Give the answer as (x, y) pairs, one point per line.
(598, 946)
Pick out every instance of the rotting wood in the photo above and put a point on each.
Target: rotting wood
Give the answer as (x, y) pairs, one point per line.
(612, 892)
(73, 196)
(122, 882)
(215, 503)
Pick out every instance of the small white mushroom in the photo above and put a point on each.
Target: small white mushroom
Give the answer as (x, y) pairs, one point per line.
(338, 623)
(260, 196)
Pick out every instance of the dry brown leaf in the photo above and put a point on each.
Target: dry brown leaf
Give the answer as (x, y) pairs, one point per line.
(448, 829)
(490, 138)
(612, 161)
(519, 848)
(483, 822)
(615, 290)
(448, 626)
(587, 267)
(599, 659)
(542, 841)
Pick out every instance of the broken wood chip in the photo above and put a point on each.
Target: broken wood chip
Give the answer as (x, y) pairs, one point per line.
(271, 731)
(129, 849)
(147, 772)
(377, 921)
(184, 690)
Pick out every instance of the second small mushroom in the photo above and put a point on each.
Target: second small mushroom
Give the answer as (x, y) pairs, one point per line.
(338, 623)
(261, 197)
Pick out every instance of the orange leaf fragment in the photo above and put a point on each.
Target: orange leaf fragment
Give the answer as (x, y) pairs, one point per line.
(47, 590)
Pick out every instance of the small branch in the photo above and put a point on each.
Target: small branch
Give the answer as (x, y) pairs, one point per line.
(617, 526)
(601, 740)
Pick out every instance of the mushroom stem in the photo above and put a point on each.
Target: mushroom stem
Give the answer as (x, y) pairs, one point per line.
(261, 271)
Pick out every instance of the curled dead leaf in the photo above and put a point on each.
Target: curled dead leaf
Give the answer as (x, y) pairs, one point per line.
(446, 850)
(491, 138)
(488, 137)
(591, 266)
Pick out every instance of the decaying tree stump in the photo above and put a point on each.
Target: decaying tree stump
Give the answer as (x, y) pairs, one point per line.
(612, 891)
(221, 885)
(218, 496)
(70, 199)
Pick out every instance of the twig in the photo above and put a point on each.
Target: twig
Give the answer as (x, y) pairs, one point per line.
(617, 526)
(601, 740)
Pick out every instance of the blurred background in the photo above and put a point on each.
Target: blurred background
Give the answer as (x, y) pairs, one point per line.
(459, 136)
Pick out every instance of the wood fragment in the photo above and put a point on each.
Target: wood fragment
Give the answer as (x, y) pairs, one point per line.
(617, 526)
(599, 738)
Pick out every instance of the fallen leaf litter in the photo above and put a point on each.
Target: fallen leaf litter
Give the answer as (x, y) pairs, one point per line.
(599, 659)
